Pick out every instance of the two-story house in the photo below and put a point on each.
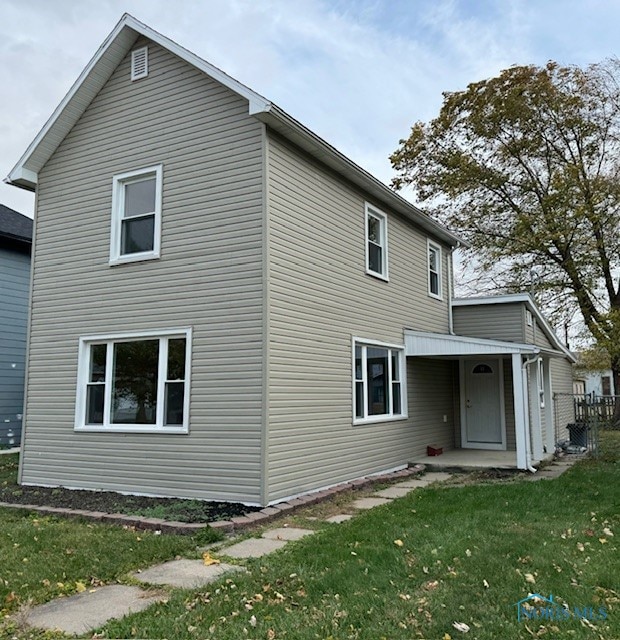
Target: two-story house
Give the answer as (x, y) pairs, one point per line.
(225, 307)
(15, 246)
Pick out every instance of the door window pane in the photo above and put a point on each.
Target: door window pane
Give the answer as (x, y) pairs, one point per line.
(134, 383)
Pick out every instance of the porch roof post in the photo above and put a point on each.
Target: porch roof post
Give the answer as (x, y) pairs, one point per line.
(521, 421)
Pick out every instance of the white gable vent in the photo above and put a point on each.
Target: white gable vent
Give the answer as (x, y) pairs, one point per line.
(140, 63)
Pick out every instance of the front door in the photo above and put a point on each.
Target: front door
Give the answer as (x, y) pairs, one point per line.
(482, 405)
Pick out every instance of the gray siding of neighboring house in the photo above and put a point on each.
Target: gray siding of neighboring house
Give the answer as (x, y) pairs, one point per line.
(319, 298)
(209, 277)
(14, 290)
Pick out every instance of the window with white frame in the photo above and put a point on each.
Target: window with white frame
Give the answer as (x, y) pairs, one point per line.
(379, 382)
(136, 215)
(134, 382)
(434, 270)
(376, 243)
(541, 382)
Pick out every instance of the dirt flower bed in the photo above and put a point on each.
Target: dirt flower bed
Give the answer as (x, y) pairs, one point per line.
(112, 502)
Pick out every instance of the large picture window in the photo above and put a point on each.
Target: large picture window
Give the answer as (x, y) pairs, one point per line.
(136, 215)
(379, 374)
(134, 382)
(376, 243)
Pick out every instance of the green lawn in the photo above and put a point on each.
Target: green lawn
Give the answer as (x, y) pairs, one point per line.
(468, 554)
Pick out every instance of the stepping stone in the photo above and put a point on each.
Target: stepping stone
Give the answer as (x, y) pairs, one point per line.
(341, 517)
(369, 503)
(83, 612)
(393, 492)
(253, 548)
(185, 574)
(418, 483)
(437, 476)
(287, 533)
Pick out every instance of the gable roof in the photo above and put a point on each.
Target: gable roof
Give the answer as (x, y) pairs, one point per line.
(14, 225)
(528, 301)
(108, 57)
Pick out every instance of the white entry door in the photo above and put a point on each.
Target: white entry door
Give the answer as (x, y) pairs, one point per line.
(482, 405)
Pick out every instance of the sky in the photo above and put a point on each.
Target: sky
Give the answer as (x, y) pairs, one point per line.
(358, 73)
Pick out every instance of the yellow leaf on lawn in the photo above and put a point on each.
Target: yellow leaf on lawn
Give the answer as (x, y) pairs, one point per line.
(608, 532)
(80, 586)
(530, 578)
(208, 559)
(603, 540)
(399, 543)
(447, 636)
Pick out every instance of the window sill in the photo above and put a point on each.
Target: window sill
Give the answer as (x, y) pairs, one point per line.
(136, 257)
(376, 419)
(132, 428)
(435, 296)
(379, 276)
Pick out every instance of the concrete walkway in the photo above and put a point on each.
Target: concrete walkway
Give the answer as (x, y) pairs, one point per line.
(87, 611)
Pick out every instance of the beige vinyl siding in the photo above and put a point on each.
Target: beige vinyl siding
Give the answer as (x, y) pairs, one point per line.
(319, 298)
(491, 321)
(209, 277)
(509, 406)
(536, 335)
(562, 390)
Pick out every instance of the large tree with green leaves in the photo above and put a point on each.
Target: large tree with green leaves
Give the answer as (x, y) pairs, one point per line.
(526, 166)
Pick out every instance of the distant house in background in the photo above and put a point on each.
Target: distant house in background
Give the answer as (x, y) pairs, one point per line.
(600, 383)
(15, 249)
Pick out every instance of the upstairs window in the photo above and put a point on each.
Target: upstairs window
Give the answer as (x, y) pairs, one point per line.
(434, 270)
(376, 243)
(136, 215)
(379, 379)
(137, 383)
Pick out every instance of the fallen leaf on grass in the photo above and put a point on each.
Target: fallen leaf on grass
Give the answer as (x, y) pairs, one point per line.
(461, 626)
(580, 546)
(399, 543)
(208, 559)
(80, 587)
(603, 540)
(468, 553)
(529, 578)
(253, 621)
(486, 584)
(608, 532)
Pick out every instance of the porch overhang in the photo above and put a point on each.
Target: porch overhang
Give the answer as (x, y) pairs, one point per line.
(421, 344)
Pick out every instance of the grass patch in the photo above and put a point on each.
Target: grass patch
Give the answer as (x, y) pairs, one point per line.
(468, 554)
(112, 502)
(45, 557)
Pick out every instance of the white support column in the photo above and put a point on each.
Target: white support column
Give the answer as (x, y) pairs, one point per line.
(521, 422)
(536, 411)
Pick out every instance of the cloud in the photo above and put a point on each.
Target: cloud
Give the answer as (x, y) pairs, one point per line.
(357, 72)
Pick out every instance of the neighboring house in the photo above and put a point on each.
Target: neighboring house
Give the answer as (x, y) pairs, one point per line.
(600, 383)
(225, 307)
(15, 247)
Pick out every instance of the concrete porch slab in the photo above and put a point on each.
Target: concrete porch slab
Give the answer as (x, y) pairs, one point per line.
(184, 574)
(287, 533)
(83, 612)
(469, 460)
(253, 548)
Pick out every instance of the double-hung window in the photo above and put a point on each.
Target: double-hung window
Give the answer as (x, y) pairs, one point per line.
(134, 382)
(379, 382)
(376, 243)
(434, 270)
(136, 215)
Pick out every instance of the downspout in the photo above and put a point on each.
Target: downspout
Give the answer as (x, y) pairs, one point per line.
(450, 285)
(528, 453)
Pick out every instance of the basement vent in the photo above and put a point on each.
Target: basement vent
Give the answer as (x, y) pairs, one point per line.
(140, 63)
